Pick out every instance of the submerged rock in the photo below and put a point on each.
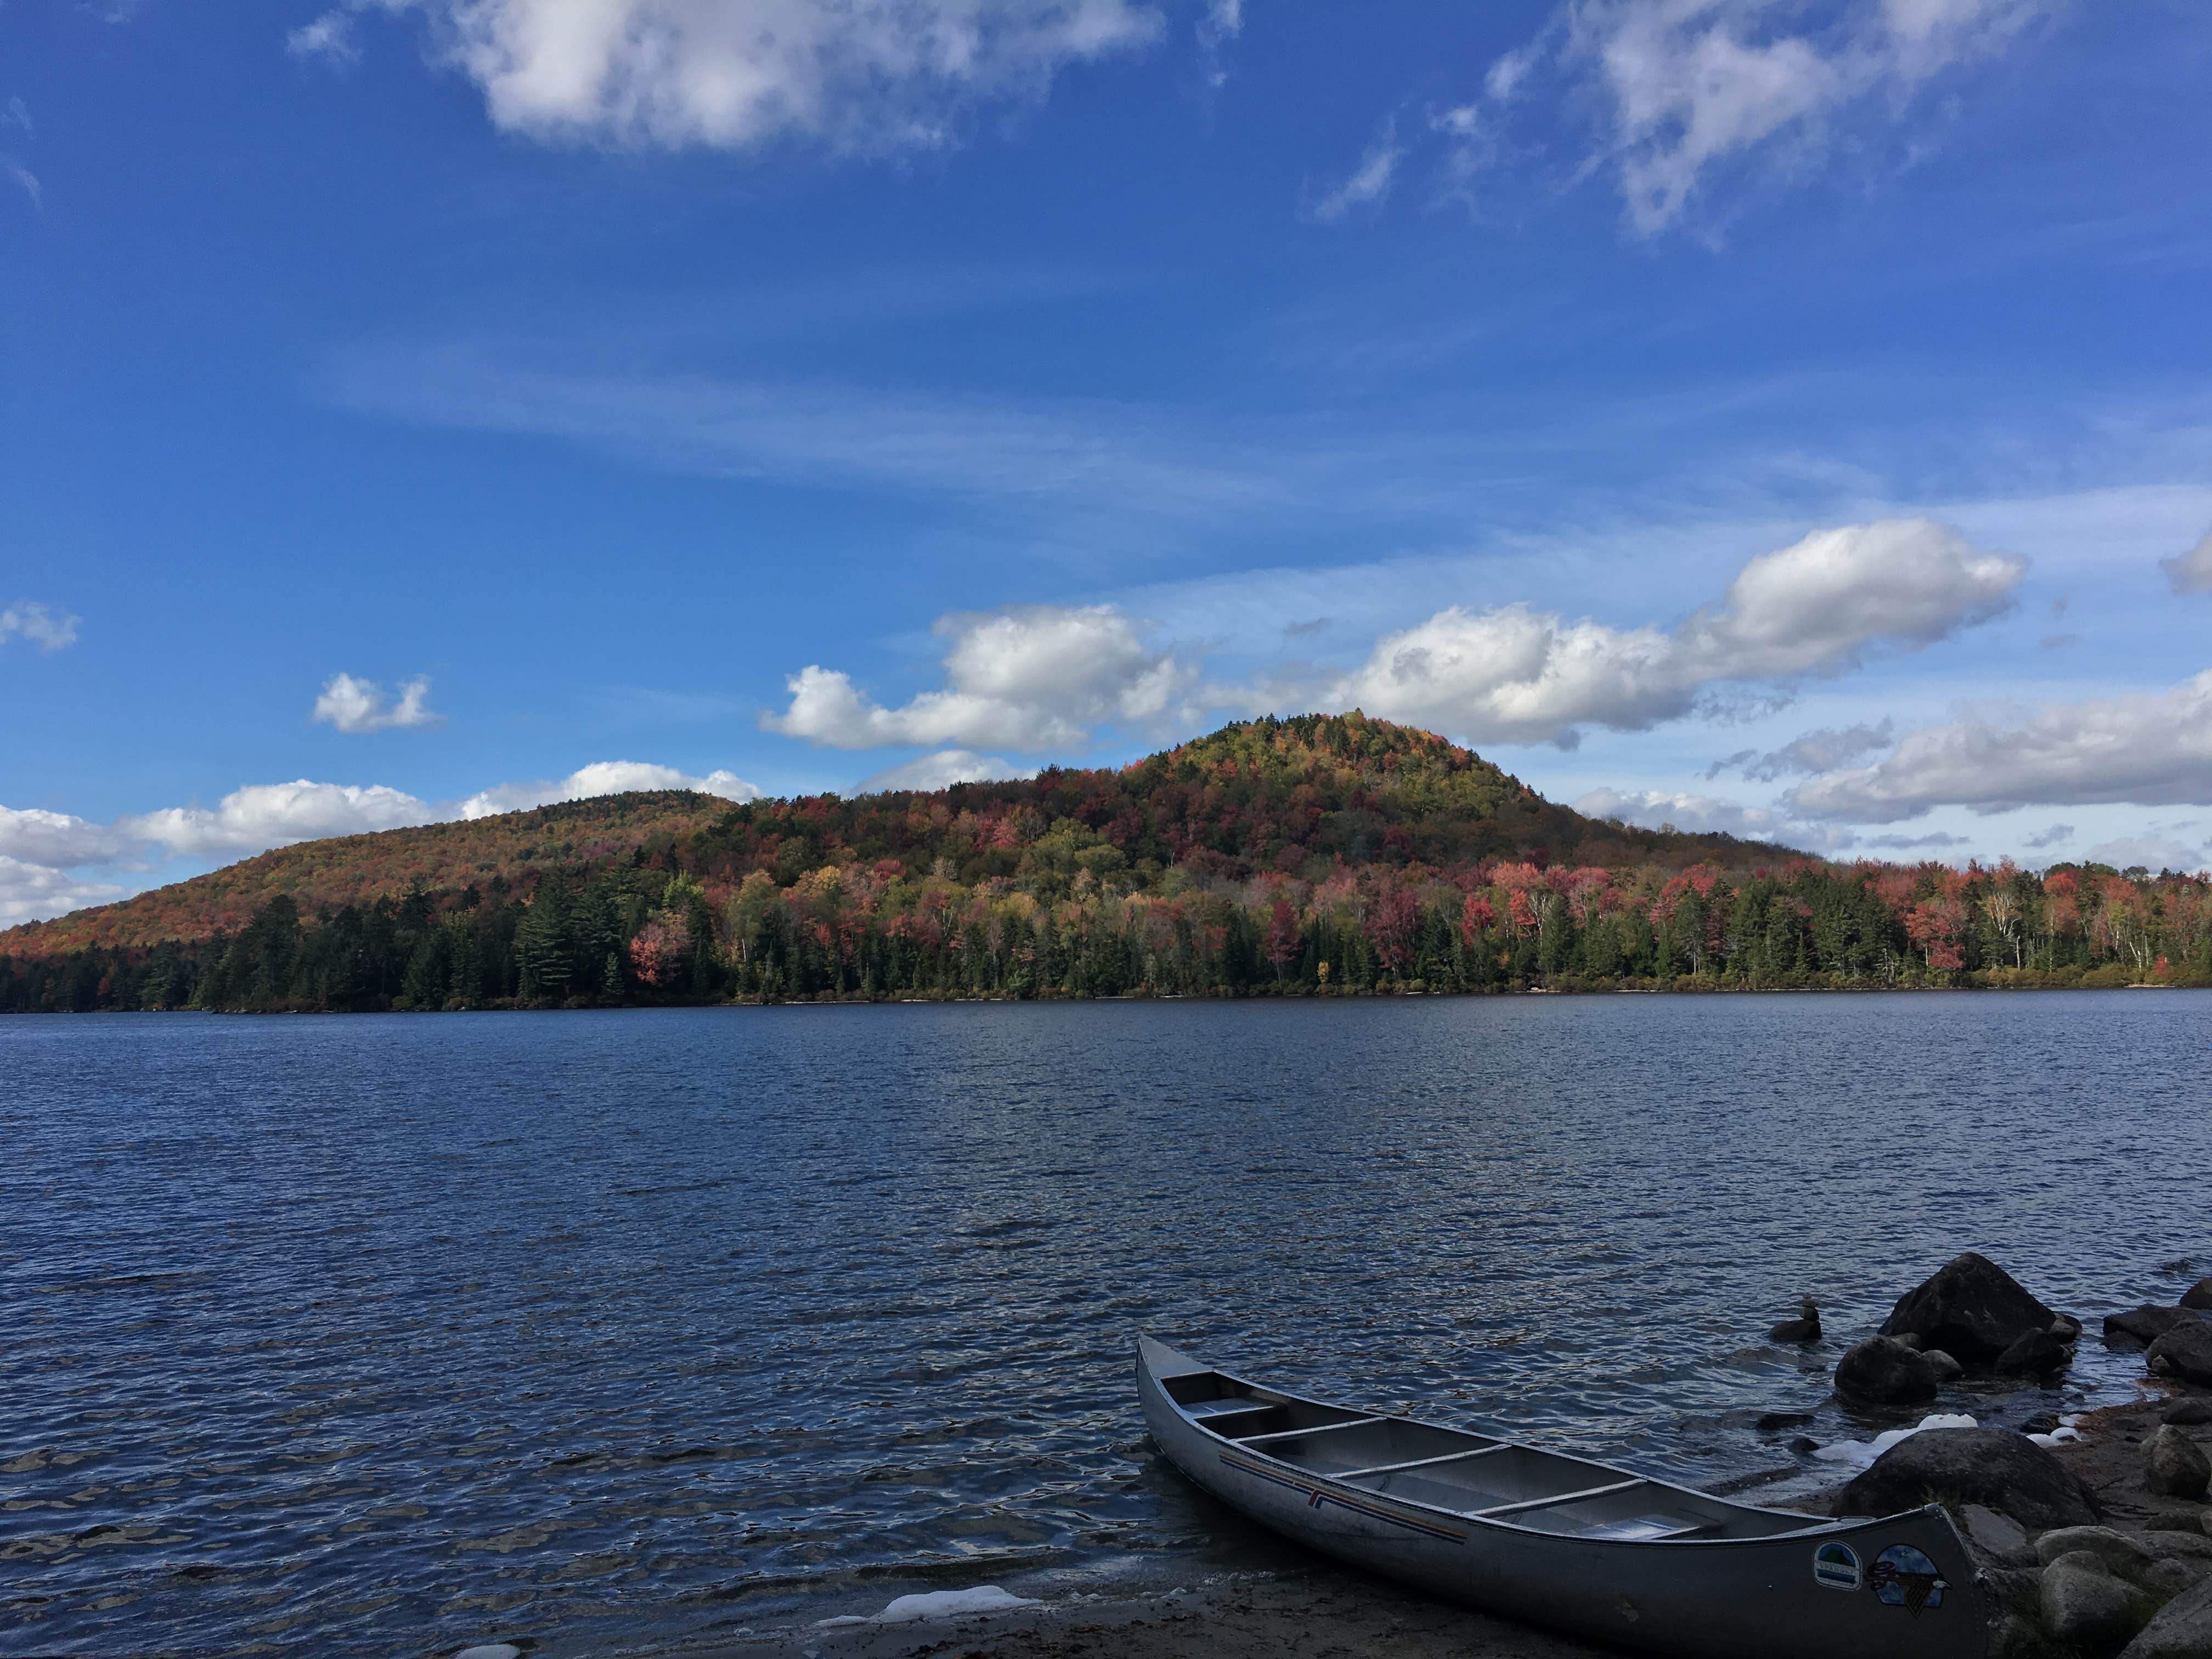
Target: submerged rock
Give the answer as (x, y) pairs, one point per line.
(2185, 1351)
(2174, 1466)
(1783, 1420)
(2037, 1354)
(1995, 1467)
(1886, 1373)
(2182, 1629)
(1972, 1309)
(2145, 1324)
(1805, 1328)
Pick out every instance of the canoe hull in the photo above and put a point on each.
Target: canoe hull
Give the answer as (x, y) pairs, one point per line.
(1726, 1599)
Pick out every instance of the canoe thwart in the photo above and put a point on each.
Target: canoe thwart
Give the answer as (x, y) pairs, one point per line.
(1300, 1434)
(1416, 1463)
(1555, 1501)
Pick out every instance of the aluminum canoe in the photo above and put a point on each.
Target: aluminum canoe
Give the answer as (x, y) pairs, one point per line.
(1567, 1542)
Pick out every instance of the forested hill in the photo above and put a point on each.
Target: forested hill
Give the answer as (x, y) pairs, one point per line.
(1322, 854)
(1266, 796)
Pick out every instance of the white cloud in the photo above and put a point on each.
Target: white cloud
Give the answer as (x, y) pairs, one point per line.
(16, 113)
(1820, 606)
(941, 771)
(358, 705)
(266, 815)
(2191, 572)
(39, 849)
(330, 37)
(1684, 87)
(1823, 751)
(24, 177)
(2145, 750)
(601, 778)
(1030, 678)
(27, 619)
(2151, 852)
(2050, 837)
(32, 892)
(1658, 809)
(59, 839)
(1222, 22)
(878, 75)
(1369, 183)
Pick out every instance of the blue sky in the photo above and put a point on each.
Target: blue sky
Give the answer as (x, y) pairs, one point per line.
(1789, 417)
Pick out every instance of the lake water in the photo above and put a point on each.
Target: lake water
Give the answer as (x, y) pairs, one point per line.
(379, 1335)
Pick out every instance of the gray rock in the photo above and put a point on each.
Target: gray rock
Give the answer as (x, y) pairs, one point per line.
(1995, 1467)
(490, 1650)
(1885, 1372)
(2186, 1349)
(1972, 1309)
(2188, 1412)
(2168, 1579)
(2087, 1609)
(1805, 1328)
(2145, 1324)
(2182, 1629)
(2174, 1466)
(2066, 1328)
(2198, 1295)
(2037, 1354)
(2041, 1422)
(2171, 1545)
(1906, 1338)
(1945, 1367)
(1998, 1536)
(2119, 1550)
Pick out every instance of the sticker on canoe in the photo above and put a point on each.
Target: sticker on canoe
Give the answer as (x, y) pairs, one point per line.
(1837, 1565)
(1904, 1578)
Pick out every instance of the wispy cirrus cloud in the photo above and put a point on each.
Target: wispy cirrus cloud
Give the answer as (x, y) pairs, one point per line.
(873, 76)
(2191, 572)
(38, 624)
(1369, 183)
(1682, 94)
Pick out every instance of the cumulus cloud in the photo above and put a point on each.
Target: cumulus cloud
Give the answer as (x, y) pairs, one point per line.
(602, 778)
(42, 854)
(358, 705)
(2150, 851)
(266, 815)
(1028, 678)
(2145, 750)
(1823, 751)
(856, 75)
(941, 771)
(1683, 88)
(1369, 183)
(32, 892)
(2191, 572)
(60, 839)
(1820, 606)
(48, 629)
(1658, 809)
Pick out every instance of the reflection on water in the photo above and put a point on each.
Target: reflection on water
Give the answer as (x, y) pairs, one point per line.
(381, 1334)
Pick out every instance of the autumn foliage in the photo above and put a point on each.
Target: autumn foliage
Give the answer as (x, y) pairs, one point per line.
(1334, 854)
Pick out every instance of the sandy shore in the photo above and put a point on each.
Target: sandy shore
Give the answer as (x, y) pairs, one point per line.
(1320, 1614)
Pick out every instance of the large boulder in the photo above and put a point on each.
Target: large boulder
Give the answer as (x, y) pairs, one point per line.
(2182, 1629)
(1885, 1373)
(2145, 1324)
(2185, 1352)
(1973, 1309)
(2174, 1466)
(2198, 1295)
(1995, 1467)
(2085, 1607)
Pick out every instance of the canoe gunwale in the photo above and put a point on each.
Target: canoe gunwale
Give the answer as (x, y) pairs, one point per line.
(1813, 1527)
